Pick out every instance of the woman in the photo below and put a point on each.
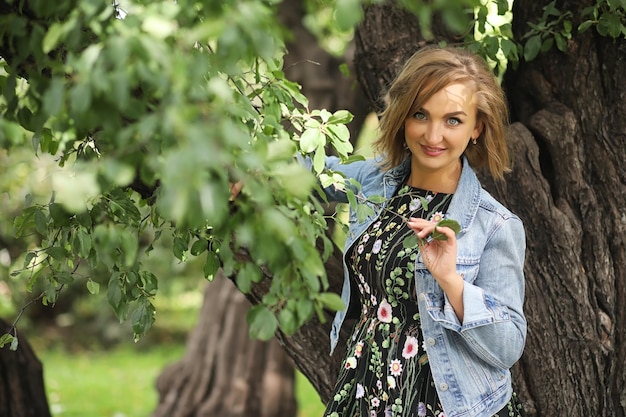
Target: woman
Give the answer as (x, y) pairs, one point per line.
(440, 323)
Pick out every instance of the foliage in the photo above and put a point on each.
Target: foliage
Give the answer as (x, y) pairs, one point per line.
(153, 109)
(608, 17)
(555, 27)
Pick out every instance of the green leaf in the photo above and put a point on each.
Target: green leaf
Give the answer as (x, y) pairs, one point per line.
(53, 36)
(64, 278)
(410, 241)
(114, 293)
(93, 287)
(341, 117)
(287, 321)
(28, 259)
(348, 14)
(311, 139)
(532, 47)
(585, 25)
(180, 247)
(57, 252)
(199, 246)
(561, 43)
(5, 338)
(261, 322)
(331, 301)
(82, 243)
(211, 265)
(41, 223)
(142, 319)
(59, 216)
(452, 224)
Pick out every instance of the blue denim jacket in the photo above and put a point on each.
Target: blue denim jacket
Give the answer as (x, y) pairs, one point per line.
(470, 361)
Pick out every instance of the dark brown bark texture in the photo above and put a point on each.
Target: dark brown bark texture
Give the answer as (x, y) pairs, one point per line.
(568, 186)
(22, 392)
(223, 373)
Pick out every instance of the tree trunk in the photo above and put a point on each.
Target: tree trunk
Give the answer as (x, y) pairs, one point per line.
(223, 373)
(22, 392)
(569, 186)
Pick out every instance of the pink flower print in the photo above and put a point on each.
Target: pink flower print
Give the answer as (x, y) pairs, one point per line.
(375, 402)
(360, 391)
(410, 347)
(379, 384)
(372, 413)
(373, 300)
(384, 312)
(395, 367)
(421, 409)
(359, 350)
(376, 225)
(377, 245)
(366, 237)
(437, 217)
(360, 249)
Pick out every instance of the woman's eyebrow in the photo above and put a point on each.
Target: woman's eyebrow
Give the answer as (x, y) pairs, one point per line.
(451, 114)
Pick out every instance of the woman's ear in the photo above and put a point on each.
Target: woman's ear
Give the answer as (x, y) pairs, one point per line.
(478, 129)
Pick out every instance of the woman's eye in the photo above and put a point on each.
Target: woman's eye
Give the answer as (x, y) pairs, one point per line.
(454, 121)
(420, 116)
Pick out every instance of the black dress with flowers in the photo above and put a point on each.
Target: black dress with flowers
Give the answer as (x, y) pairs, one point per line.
(385, 371)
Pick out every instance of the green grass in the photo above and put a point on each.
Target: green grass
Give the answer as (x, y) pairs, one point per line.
(121, 382)
(114, 383)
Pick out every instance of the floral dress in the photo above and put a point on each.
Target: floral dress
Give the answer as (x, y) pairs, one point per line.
(385, 371)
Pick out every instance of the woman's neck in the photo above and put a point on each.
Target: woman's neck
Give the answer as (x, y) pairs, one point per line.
(440, 181)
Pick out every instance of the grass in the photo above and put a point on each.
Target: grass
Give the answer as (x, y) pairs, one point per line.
(121, 382)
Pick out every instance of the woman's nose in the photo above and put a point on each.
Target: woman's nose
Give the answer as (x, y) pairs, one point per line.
(433, 133)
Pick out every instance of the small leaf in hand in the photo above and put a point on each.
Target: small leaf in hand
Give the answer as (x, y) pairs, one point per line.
(410, 241)
(452, 224)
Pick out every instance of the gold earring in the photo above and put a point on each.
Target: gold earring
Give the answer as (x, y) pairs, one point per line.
(474, 141)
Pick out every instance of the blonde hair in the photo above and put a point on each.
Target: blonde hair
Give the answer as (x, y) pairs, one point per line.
(424, 74)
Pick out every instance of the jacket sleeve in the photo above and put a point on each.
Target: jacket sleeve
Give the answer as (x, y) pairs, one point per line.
(494, 326)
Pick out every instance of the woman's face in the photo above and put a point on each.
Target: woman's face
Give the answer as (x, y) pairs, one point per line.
(438, 133)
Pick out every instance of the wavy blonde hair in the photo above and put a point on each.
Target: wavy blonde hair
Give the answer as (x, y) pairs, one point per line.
(424, 74)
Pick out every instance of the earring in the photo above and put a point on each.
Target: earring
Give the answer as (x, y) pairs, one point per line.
(474, 141)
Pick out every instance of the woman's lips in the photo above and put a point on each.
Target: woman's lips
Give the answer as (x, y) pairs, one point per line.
(432, 150)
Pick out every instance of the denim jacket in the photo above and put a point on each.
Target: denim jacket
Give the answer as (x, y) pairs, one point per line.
(470, 361)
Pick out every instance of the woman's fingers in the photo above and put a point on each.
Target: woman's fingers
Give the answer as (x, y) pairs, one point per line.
(421, 227)
(424, 228)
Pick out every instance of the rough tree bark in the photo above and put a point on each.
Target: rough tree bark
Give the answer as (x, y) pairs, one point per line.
(22, 392)
(223, 373)
(569, 186)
